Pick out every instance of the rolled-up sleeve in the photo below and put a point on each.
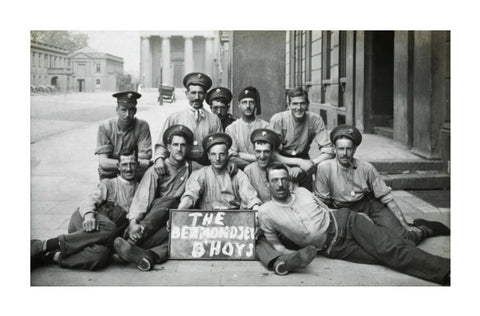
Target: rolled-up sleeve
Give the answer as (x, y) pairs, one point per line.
(97, 197)
(144, 195)
(322, 138)
(104, 144)
(248, 194)
(145, 142)
(322, 188)
(378, 186)
(233, 151)
(195, 186)
(160, 147)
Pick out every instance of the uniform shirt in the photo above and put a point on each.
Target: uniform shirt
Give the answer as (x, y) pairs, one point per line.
(334, 183)
(209, 123)
(304, 220)
(227, 120)
(297, 137)
(216, 190)
(153, 186)
(258, 179)
(240, 131)
(116, 190)
(111, 140)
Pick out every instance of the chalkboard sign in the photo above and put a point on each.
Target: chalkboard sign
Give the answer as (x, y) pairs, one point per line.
(207, 235)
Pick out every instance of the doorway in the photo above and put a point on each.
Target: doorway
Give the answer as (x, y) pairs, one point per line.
(381, 108)
(81, 85)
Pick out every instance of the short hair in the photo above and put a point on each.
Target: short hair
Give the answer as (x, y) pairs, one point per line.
(343, 137)
(128, 152)
(170, 137)
(276, 166)
(298, 92)
(197, 84)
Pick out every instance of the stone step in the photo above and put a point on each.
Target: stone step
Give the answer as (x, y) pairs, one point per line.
(406, 166)
(417, 181)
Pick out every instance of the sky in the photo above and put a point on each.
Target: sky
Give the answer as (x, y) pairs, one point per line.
(125, 44)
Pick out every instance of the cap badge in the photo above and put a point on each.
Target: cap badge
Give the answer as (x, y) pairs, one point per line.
(129, 95)
(199, 76)
(264, 133)
(218, 90)
(246, 91)
(350, 131)
(210, 139)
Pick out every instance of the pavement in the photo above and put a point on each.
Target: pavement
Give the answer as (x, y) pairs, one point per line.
(63, 173)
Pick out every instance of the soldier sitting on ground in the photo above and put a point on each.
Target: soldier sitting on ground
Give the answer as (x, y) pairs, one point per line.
(155, 194)
(344, 234)
(93, 226)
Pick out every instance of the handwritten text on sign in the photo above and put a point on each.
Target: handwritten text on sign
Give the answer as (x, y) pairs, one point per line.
(197, 234)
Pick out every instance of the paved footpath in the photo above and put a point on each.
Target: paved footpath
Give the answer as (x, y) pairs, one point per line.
(63, 172)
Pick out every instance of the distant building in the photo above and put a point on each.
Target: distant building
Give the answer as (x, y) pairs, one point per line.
(167, 56)
(49, 66)
(84, 70)
(94, 71)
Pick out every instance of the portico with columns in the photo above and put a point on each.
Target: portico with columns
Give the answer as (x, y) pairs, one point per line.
(167, 56)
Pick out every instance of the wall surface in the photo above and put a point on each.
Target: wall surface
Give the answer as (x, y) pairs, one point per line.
(258, 59)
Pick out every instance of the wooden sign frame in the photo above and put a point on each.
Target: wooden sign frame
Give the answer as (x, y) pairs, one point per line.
(212, 235)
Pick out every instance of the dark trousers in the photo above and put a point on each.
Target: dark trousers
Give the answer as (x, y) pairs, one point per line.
(382, 216)
(155, 234)
(265, 252)
(91, 250)
(360, 240)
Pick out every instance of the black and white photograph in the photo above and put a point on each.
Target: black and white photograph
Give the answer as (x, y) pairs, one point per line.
(283, 156)
(355, 124)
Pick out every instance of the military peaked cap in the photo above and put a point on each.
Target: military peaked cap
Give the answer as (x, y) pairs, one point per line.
(219, 92)
(348, 131)
(217, 138)
(265, 135)
(197, 78)
(180, 130)
(251, 92)
(127, 98)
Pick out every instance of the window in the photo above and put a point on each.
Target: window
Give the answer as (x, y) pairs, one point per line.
(98, 68)
(343, 54)
(326, 48)
(99, 82)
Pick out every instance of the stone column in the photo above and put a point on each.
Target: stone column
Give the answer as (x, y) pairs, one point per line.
(146, 62)
(209, 56)
(166, 62)
(188, 51)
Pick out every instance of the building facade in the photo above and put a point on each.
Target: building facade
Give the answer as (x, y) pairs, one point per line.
(94, 71)
(167, 56)
(49, 66)
(393, 83)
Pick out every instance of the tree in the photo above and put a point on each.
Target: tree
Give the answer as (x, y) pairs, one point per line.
(62, 39)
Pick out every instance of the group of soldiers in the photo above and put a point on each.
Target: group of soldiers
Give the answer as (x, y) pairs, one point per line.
(332, 204)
